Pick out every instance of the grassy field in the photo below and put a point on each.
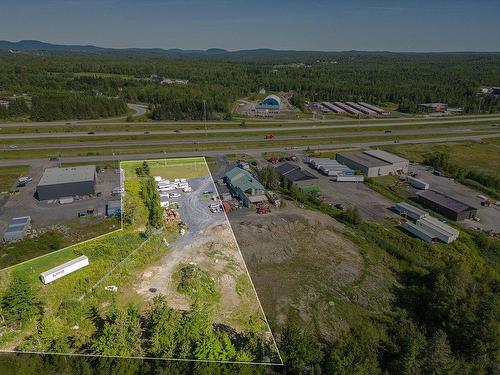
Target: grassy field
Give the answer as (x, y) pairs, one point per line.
(9, 176)
(170, 168)
(479, 156)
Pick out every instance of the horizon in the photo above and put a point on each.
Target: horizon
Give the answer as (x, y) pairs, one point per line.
(319, 25)
(243, 50)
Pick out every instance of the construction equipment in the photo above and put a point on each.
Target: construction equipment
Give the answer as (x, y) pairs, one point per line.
(263, 209)
(273, 160)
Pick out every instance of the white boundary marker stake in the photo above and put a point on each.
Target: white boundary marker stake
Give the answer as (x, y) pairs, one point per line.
(246, 268)
(122, 261)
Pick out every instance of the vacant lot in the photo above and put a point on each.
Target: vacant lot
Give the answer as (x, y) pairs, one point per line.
(303, 261)
(481, 156)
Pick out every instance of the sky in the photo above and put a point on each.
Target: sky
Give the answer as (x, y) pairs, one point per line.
(326, 25)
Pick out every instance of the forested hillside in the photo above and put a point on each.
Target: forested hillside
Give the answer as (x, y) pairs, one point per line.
(402, 79)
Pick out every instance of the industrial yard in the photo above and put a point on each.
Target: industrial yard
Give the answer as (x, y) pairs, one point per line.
(191, 259)
(62, 210)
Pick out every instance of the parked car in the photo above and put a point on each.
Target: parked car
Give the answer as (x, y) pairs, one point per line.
(174, 195)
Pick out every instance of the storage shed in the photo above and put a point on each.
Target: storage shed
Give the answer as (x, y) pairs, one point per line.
(17, 228)
(114, 208)
(67, 182)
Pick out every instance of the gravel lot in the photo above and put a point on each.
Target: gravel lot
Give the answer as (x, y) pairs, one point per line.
(370, 204)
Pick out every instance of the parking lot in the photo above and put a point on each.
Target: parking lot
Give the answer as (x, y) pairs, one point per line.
(371, 205)
(489, 216)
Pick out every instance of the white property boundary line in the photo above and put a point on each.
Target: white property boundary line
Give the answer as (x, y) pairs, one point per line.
(78, 243)
(121, 262)
(146, 358)
(246, 268)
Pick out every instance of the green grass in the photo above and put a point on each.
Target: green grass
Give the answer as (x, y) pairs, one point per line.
(170, 168)
(10, 175)
(480, 156)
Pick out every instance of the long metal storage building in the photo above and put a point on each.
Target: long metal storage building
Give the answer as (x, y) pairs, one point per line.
(348, 108)
(64, 269)
(410, 211)
(362, 109)
(438, 229)
(418, 231)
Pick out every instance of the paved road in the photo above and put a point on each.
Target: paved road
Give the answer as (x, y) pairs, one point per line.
(373, 122)
(140, 109)
(256, 151)
(239, 129)
(201, 141)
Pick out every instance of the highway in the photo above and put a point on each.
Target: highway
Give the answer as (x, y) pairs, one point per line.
(201, 141)
(41, 162)
(359, 122)
(242, 129)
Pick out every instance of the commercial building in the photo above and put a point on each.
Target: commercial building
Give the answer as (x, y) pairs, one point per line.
(64, 269)
(433, 107)
(271, 104)
(67, 182)
(446, 206)
(374, 163)
(244, 186)
(114, 208)
(17, 228)
(299, 177)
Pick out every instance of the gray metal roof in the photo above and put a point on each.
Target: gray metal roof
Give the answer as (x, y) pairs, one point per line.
(18, 224)
(114, 204)
(363, 159)
(54, 176)
(385, 156)
(445, 201)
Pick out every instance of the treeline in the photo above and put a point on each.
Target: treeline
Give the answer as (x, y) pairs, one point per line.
(160, 331)
(52, 106)
(150, 196)
(443, 318)
(403, 79)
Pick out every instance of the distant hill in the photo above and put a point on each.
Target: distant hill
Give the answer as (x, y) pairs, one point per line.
(30, 46)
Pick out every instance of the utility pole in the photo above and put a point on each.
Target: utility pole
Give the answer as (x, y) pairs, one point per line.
(205, 116)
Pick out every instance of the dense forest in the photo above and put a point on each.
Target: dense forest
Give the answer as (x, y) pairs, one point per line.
(50, 106)
(402, 79)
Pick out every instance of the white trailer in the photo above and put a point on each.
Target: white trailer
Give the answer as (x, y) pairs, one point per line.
(64, 269)
(355, 178)
(416, 183)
